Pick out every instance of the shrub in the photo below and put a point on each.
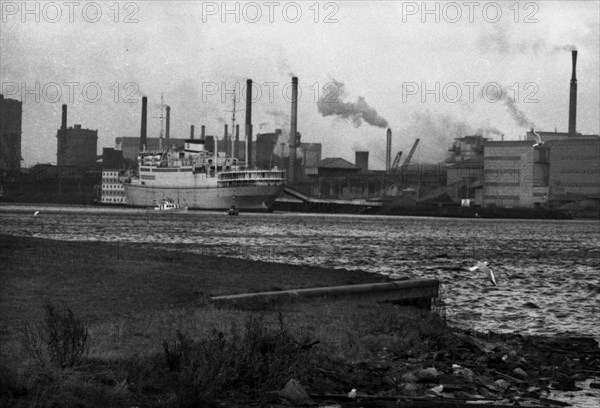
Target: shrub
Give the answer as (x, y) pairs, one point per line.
(244, 361)
(61, 340)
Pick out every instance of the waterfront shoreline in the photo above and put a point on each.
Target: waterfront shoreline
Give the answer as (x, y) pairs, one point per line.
(132, 302)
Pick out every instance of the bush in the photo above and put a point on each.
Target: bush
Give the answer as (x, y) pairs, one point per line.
(61, 340)
(245, 362)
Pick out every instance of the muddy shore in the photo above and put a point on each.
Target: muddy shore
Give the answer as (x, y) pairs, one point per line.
(150, 323)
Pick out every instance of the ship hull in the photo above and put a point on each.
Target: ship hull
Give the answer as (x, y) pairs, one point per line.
(248, 198)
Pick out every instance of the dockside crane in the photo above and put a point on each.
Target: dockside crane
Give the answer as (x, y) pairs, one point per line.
(396, 163)
(410, 154)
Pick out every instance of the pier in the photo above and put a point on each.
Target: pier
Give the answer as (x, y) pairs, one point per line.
(416, 291)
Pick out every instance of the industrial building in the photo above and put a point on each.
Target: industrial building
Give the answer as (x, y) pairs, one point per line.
(130, 146)
(574, 175)
(113, 191)
(76, 146)
(11, 112)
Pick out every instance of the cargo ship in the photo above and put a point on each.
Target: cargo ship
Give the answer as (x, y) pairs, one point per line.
(195, 178)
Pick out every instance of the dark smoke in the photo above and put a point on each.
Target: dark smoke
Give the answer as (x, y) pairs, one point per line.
(489, 131)
(332, 103)
(517, 114)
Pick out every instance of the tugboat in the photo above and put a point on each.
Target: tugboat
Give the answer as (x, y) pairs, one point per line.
(168, 205)
(233, 210)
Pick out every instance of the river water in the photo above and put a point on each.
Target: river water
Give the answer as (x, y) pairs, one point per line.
(548, 272)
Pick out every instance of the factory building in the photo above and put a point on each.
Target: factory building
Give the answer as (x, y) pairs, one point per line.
(574, 171)
(75, 146)
(11, 112)
(515, 174)
(113, 191)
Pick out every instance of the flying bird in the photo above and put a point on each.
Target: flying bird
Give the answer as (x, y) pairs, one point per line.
(36, 213)
(482, 266)
(538, 139)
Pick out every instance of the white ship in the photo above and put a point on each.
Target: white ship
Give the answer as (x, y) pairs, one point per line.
(198, 179)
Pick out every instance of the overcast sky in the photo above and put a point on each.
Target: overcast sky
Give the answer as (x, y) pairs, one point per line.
(382, 52)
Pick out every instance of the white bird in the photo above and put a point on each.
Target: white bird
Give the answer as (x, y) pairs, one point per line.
(538, 139)
(482, 266)
(36, 213)
(352, 394)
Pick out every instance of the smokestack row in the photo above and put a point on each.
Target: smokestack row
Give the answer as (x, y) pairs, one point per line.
(293, 132)
(143, 135)
(573, 97)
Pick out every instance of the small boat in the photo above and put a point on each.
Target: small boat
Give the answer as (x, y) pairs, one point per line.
(233, 210)
(168, 205)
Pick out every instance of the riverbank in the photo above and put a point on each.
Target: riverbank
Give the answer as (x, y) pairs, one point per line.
(155, 339)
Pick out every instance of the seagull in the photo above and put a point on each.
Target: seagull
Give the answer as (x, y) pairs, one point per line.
(538, 139)
(36, 213)
(352, 394)
(482, 266)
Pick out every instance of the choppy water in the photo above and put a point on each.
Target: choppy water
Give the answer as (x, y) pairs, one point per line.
(548, 272)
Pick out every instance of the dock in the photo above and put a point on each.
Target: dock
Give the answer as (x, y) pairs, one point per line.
(414, 291)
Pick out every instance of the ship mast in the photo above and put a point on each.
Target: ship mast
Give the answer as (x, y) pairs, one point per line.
(161, 117)
(233, 152)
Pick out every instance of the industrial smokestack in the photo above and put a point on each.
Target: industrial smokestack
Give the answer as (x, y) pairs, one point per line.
(192, 132)
(63, 125)
(202, 132)
(237, 133)
(226, 140)
(249, 123)
(573, 97)
(143, 140)
(168, 129)
(388, 151)
(293, 132)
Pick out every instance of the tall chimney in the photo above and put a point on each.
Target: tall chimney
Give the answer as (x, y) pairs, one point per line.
(249, 123)
(573, 97)
(202, 132)
(63, 125)
(192, 132)
(293, 132)
(388, 151)
(168, 129)
(143, 140)
(226, 140)
(237, 133)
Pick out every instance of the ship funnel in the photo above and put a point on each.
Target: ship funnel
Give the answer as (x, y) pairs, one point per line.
(192, 132)
(143, 140)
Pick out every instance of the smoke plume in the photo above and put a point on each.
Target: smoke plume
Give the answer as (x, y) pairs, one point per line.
(437, 133)
(332, 103)
(511, 105)
(501, 41)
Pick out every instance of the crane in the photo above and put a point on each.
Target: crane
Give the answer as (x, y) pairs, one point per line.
(397, 161)
(410, 155)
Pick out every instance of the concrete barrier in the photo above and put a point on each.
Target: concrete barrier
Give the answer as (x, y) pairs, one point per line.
(413, 290)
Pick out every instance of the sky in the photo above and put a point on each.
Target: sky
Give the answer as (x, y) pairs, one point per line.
(434, 70)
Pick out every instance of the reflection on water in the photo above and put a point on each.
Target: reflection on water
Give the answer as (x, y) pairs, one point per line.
(547, 271)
